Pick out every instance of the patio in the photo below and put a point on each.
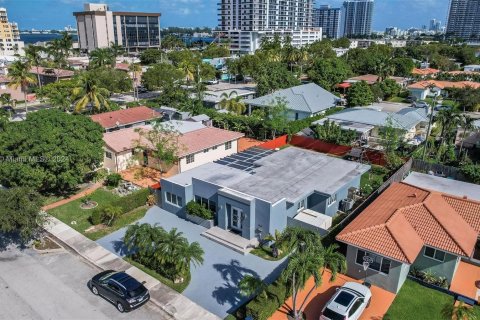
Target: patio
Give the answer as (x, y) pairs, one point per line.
(144, 176)
(381, 299)
(213, 284)
(466, 279)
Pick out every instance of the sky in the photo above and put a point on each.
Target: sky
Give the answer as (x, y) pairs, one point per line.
(56, 14)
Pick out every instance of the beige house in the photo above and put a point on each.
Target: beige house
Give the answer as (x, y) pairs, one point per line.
(195, 148)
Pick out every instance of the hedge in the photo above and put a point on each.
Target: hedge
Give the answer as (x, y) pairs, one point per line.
(127, 203)
(262, 309)
(196, 209)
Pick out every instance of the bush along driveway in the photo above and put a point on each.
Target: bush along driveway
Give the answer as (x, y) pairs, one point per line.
(213, 284)
(109, 214)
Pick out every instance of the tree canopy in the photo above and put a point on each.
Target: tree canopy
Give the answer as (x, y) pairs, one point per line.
(329, 72)
(359, 94)
(51, 151)
(151, 56)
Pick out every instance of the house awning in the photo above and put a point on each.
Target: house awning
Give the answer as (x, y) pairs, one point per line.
(344, 85)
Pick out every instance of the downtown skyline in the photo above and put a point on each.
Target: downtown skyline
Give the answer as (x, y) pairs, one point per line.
(56, 14)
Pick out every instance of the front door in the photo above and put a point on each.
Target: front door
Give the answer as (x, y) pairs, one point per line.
(236, 218)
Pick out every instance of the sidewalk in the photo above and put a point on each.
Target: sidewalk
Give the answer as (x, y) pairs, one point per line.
(84, 193)
(170, 301)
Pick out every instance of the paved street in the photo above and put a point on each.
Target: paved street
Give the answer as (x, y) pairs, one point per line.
(214, 284)
(54, 286)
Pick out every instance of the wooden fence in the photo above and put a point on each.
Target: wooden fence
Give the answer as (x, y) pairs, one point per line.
(438, 169)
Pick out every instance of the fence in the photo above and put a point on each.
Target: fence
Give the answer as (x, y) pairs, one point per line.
(396, 177)
(275, 143)
(438, 169)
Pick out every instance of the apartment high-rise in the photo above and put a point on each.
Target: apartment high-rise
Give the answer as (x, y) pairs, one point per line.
(10, 43)
(464, 19)
(98, 27)
(357, 18)
(246, 22)
(435, 25)
(328, 19)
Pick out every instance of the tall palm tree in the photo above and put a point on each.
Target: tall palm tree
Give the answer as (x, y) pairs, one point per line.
(102, 57)
(448, 119)
(467, 125)
(34, 55)
(19, 73)
(66, 43)
(252, 285)
(189, 254)
(461, 311)
(87, 92)
(232, 102)
(56, 52)
(135, 68)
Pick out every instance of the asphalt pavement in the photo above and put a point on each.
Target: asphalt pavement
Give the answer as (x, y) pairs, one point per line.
(54, 286)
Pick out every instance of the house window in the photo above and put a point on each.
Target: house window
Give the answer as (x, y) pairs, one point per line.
(301, 205)
(379, 263)
(206, 150)
(214, 147)
(108, 155)
(434, 254)
(228, 145)
(174, 199)
(331, 200)
(190, 158)
(208, 204)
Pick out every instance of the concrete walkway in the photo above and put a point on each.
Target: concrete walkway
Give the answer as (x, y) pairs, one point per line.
(79, 195)
(176, 305)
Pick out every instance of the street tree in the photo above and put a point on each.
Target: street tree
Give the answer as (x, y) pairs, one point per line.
(101, 57)
(89, 93)
(20, 212)
(329, 72)
(359, 94)
(50, 152)
(161, 76)
(21, 77)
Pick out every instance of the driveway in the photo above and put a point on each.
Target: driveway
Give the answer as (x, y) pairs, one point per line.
(54, 286)
(214, 284)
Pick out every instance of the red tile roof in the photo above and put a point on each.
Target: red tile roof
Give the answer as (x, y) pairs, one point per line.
(190, 142)
(405, 218)
(425, 71)
(444, 84)
(122, 66)
(123, 117)
(53, 72)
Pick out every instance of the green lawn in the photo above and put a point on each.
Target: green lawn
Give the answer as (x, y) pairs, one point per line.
(179, 287)
(371, 178)
(396, 99)
(415, 301)
(71, 212)
(266, 253)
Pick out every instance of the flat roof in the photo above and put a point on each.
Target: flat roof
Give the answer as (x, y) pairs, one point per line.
(292, 172)
(444, 185)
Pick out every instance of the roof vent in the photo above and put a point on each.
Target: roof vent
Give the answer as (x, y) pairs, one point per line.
(465, 197)
(414, 195)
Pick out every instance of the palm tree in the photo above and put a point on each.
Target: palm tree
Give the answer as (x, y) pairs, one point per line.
(66, 43)
(467, 123)
(458, 312)
(188, 69)
(190, 254)
(56, 51)
(448, 119)
(135, 68)
(60, 100)
(232, 102)
(251, 285)
(34, 55)
(117, 50)
(102, 57)
(88, 92)
(19, 73)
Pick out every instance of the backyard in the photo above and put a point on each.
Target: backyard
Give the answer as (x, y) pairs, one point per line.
(79, 219)
(415, 301)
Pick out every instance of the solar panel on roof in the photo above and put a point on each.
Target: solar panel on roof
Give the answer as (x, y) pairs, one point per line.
(245, 160)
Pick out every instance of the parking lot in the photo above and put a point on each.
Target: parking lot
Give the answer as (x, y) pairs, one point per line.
(54, 286)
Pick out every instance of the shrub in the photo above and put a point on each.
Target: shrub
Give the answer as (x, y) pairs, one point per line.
(196, 209)
(378, 170)
(110, 214)
(132, 201)
(151, 200)
(260, 308)
(96, 216)
(113, 180)
(471, 172)
(429, 277)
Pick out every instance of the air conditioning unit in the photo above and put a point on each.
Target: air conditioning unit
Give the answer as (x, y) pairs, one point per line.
(353, 193)
(347, 204)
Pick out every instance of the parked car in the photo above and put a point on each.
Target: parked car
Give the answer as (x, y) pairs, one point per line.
(420, 104)
(411, 99)
(124, 291)
(348, 303)
(142, 89)
(8, 109)
(213, 81)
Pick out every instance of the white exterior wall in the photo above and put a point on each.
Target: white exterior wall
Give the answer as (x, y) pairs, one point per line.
(210, 156)
(119, 162)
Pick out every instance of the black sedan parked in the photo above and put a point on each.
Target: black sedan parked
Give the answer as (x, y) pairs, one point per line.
(125, 292)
